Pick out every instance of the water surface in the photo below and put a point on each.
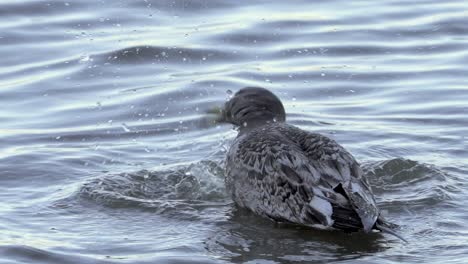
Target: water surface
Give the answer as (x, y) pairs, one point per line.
(106, 156)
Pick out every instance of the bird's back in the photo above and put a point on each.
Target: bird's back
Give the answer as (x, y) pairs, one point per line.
(290, 175)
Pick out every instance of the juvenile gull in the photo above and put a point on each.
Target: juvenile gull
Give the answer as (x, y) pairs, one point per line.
(290, 175)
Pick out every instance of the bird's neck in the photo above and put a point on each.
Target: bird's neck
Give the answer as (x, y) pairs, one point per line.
(249, 125)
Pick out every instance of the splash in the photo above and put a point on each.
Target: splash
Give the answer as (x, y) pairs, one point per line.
(182, 187)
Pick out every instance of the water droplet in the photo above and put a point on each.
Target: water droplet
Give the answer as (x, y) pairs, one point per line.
(85, 58)
(294, 98)
(110, 121)
(244, 124)
(322, 74)
(58, 137)
(125, 127)
(204, 58)
(229, 92)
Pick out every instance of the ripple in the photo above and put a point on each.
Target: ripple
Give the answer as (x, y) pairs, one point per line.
(247, 237)
(33, 8)
(104, 140)
(169, 55)
(24, 254)
(184, 6)
(169, 192)
(403, 184)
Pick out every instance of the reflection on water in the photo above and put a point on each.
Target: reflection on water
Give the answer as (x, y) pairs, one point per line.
(248, 238)
(106, 155)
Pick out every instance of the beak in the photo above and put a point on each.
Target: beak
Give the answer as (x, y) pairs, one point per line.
(216, 114)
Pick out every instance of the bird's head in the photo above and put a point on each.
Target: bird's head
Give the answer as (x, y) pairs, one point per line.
(251, 107)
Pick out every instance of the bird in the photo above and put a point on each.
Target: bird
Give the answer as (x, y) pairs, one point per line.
(290, 175)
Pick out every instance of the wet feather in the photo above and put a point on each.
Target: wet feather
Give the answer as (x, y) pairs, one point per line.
(288, 174)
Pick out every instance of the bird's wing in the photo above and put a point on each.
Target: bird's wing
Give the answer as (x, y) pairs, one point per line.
(339, 171)
(292, 175)
(270, 175)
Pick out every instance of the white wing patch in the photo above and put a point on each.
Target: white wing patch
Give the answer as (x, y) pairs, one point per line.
(356, 188)
(323, 206)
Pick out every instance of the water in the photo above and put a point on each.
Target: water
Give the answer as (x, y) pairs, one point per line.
(106, 156)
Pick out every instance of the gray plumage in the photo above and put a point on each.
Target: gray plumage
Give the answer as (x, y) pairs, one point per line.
(287, 174)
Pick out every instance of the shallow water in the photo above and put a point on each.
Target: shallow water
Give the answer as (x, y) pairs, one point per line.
(106, 156)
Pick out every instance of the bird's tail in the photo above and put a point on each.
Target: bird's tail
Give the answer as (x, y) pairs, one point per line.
(385, 227)
(348, 220)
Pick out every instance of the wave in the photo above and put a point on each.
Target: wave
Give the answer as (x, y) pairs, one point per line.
(399, 184)
(172, 191)
(27, 254)
(168, 55)
(403, 184)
